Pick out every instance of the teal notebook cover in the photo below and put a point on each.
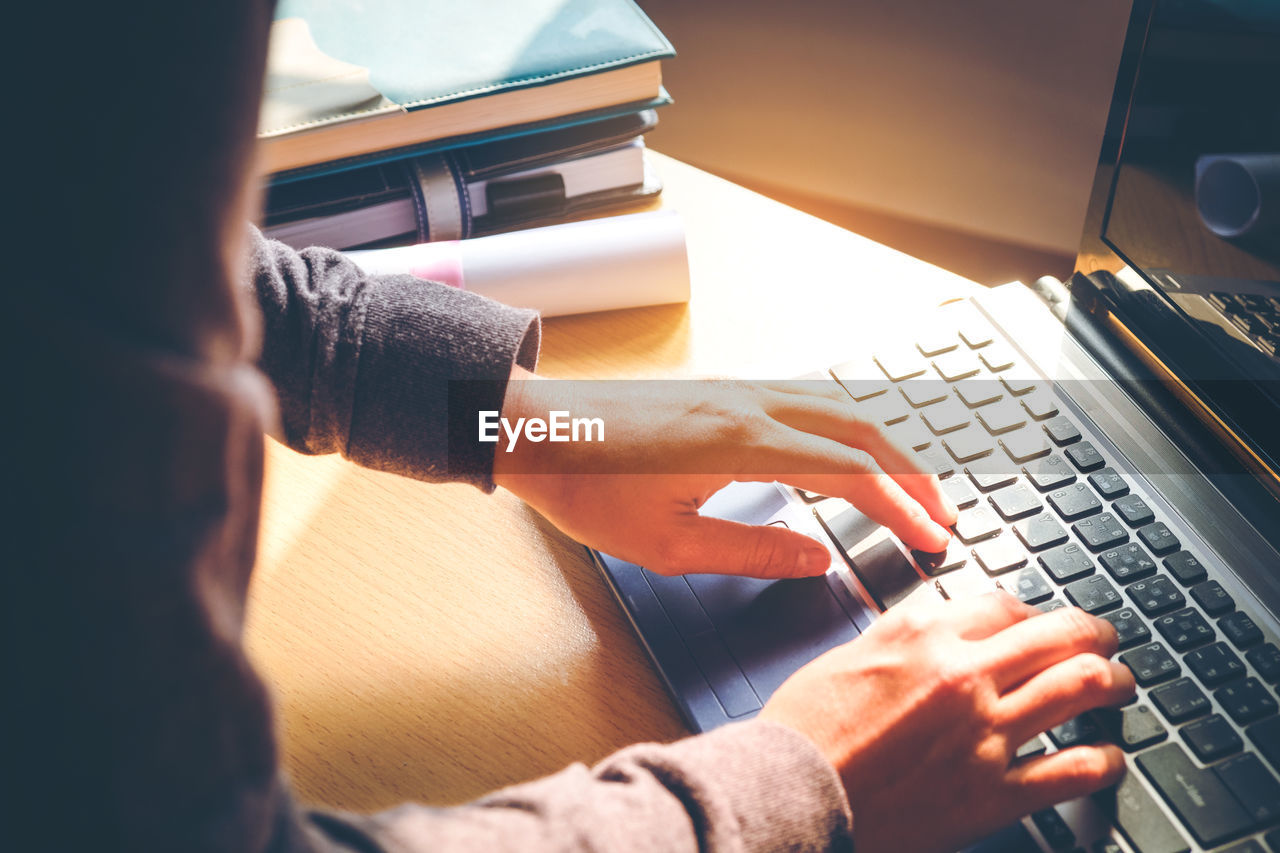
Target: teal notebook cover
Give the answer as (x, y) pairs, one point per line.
(413, 54)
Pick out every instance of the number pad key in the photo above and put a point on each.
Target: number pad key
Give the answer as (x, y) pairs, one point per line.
(1156, 596)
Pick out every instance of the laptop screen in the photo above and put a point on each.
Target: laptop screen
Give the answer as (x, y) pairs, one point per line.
(1182, 240)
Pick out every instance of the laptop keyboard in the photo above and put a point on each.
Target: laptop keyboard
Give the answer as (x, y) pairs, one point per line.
(1256, 315)
(1048, 513)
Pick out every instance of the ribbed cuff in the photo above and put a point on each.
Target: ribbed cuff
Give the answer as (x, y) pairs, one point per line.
(784, 793)
(420, 340)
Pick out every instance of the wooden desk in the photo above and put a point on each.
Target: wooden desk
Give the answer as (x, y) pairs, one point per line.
(432, 643)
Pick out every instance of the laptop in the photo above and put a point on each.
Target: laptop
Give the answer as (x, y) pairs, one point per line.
(1113, 443)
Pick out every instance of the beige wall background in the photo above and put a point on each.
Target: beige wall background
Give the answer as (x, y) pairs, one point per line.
(982, 116)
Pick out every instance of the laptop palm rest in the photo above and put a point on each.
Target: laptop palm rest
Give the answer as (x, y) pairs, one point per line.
(725, 643)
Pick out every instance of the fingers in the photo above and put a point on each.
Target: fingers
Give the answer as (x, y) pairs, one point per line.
(1063, 691)
(834, 419)
(698, 545)
(1065, 775)
(1033, 645)
(982, 616)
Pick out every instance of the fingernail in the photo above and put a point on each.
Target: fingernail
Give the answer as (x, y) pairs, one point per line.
(814, 560)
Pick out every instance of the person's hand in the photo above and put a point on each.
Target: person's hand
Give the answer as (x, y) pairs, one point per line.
(669, 446)
(923, 713)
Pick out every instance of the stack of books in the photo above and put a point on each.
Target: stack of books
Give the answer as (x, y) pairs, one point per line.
(415, 120)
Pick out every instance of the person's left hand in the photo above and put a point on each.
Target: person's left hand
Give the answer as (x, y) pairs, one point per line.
(670, 445)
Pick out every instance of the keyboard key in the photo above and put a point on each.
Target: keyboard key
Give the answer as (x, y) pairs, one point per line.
(885, 409)
(923, 392)
(1254, 785)
(885, 573)
(1127, 563)
(1002, 417)
(1015, 502)
(968, 444)
(1266, 660)
(964, 585)
(1074, 501)
(1159, 538)
(1212, 738)
(1029, 585)
(1040, 405)
(1246, 701)
(1184, 567)
(1050, 473)
(901, 364)
(1073, 732)
(1051, 605)
(1025, 445)
(1185, 629)
(1132, 728)
(1040, 532)
(1035, 746)
(975, 332)
(1215, 664)
(909, 433)
(1240, 630)
(976, 524)
(1019, 385)
(978, 392)
(1061, 430)
(936, 342)
(1133, 810)
(859, 380)
(1157, 595)
(1066, 562)
(946, 561)
(960, 492)
(1151, 664)
(1101, 531)
(1180, 700)
(947, 416)
(1130, 629)
(1093, 594)
(990, 474)
(956, 365)
(1197, 796)
(1053, 828)
(999, 555)
(1108, 483)
(1266, 737)
(1213, 598)
(997, 358)
(1085, 456)
(1133, 510)
(933, 460)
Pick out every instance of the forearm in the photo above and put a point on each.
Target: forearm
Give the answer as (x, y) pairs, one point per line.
(366, 365)
(753, 786)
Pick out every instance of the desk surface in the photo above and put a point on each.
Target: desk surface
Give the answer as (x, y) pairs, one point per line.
(431, 643)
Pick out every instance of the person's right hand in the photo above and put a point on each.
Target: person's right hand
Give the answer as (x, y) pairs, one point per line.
(923, 713)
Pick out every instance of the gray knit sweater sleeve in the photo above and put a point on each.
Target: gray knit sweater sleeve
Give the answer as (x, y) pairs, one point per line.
(379, 368)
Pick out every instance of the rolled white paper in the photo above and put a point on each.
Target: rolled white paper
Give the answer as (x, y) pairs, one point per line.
(596, 265)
